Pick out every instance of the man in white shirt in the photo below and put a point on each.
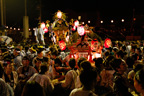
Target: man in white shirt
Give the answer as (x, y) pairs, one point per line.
(39, 33)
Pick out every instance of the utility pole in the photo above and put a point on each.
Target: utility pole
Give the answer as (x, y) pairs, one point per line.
(2, 13)
(40, 11)
(25, 7)
(26, 22)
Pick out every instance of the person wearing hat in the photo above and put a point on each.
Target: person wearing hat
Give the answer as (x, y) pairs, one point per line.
(10, 76)
(39, 55)
(25, 71)
(4, 53)
(32, 52)
(17, 59)
(39, 34)
(38, 63)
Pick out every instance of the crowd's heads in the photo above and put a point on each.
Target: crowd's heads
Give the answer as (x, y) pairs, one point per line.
(44, 68)
(72, 63)
(1, 70)
(4, 90)
(86, 65)
(80, 60)
(118, 65)
(7, 66)
(130, 62)
(38, 62)
(54, 54)
(120, 54)
(115, 49)
(25, 61)
(58, 62)
(3, 50)
(135, 56)
(33, 89)
(16, 51)
(45, 60)
(106, 63)
(88, 78)
(138, 67)
(25, 58)
(98, 62)
(40, 49)
(139, 81)
(107, 53)
(123, 48)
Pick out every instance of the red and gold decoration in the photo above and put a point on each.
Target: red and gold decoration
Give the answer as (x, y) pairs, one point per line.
(107, 43)
(59, 14)
(60, 26)
(94, 44)
(43, 26)
(81, 30)
(62, 45)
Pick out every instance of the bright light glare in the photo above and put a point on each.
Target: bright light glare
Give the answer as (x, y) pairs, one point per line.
(59, 14)
(76, 23)
(42, 25)
(122, 20)
(112, 21)
(81, 30)
(101, 21)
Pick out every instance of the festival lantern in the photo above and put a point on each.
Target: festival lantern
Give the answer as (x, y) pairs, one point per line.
(81, 30)
(74, 28)
(45, 29)
(42, 25)
(62, 45)
(59, 14)
(107, 43)
(76, 23)
(93, 44)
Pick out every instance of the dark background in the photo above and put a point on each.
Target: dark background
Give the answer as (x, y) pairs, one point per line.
(88, 10)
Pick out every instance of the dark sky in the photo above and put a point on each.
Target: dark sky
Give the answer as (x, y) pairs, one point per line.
(89, 9)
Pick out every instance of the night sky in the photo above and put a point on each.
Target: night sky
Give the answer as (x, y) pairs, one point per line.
(88, 10)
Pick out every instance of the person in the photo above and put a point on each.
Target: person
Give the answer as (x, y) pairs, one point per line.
(138, 82)
(10, 76)
(22, 52)
(43, 80)
(56, 66)
(38, 63)
(99, 64)
(5, 89)
(5, 40)
(39, 55)
(17, 59)
(88, 80)
(120, 54)
(33, 89)
(70, 77)
(81, 59)
(107, 73)
(33, 52)
(115, 50)
(25, 71)
(39, 34)
(1, 70)
(131, 75)
(121, 83)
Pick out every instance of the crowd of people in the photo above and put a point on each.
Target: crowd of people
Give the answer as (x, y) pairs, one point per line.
(34, 70)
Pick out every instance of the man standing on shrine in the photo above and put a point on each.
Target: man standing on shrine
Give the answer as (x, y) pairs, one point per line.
(39, 33)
